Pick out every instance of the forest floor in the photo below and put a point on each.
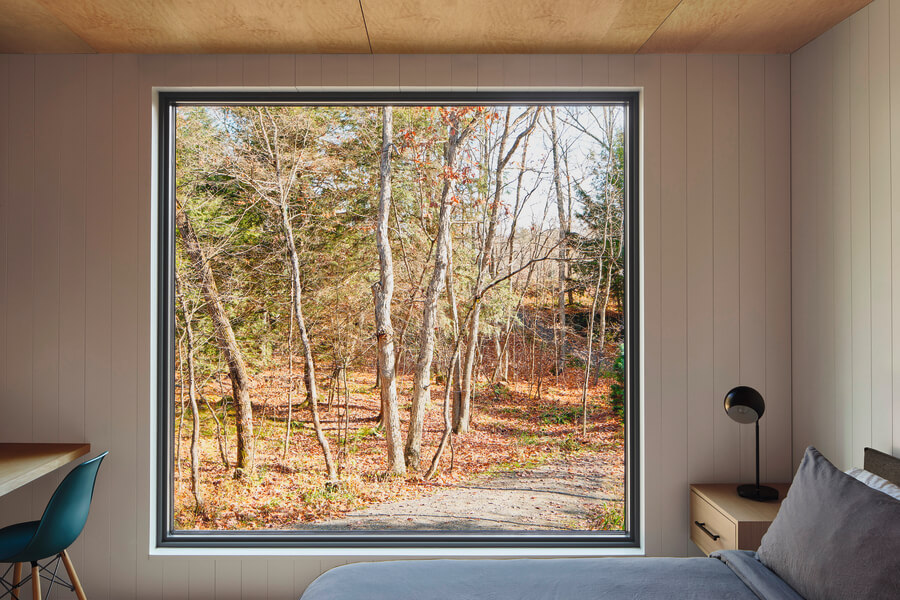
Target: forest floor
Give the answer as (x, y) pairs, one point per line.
(525, 449)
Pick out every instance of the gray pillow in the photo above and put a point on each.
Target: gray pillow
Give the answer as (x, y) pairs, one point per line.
(834, 537)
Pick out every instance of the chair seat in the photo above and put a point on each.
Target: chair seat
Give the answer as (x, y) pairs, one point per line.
(14, 538)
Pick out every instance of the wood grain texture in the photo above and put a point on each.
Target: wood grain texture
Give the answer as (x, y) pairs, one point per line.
(226, 26)
(690, 221)
(406, 26)
(747, 26)
(530, 26)
(704, 515)
(847, 347)
(741, 523)
(23, 463)
(27, 26)
(725, 498)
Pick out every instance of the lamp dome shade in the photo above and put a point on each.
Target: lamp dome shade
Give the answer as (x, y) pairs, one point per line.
(744, 404)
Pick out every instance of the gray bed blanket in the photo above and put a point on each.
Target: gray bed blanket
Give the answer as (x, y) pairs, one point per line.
(551, 579)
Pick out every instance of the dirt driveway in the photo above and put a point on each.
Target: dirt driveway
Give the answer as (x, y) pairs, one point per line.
(554, 496)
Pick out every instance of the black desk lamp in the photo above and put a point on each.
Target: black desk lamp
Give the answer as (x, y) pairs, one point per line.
(745, 405)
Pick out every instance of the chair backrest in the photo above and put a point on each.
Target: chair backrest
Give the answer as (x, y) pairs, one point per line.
(67, 511)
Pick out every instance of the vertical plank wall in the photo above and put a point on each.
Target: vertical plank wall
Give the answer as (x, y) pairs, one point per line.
(845, 121)
(75, 188)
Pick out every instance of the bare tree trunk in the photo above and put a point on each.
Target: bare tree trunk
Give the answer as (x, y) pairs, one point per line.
(604, 306)
(511, 246)
(220, 437)
(463, 416)
(590, 347)
(454, 321)
(181, 415)
(570, 291)
(447, 435)
(384, 292)
(451, 404)
(563, 252)
(309, 367)
(225, 340)
(504, 350)
(422, 377)
(609, 277)
(290, 394)
(192, 394)
(414, 293)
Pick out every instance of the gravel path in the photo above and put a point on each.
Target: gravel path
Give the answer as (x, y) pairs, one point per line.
(554, 496)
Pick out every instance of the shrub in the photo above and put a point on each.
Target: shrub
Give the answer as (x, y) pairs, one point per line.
(608, 516)
(617, 389)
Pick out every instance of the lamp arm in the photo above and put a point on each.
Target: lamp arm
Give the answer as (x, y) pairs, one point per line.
(757, 453)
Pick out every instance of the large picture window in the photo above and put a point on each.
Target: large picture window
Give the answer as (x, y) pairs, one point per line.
(391, 320)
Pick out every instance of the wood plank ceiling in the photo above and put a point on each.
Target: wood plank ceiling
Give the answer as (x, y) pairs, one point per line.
(416, 26)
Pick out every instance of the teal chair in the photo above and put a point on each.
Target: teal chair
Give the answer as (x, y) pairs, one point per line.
(49, 538)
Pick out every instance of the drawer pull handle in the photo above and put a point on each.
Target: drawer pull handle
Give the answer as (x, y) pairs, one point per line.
(703, 528)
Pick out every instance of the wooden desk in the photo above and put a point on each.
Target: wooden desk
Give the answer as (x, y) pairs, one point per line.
(23, 463)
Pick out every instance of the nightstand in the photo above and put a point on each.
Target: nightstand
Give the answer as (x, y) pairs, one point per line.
(722, 520)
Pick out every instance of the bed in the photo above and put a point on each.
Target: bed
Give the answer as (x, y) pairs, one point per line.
(837, 535)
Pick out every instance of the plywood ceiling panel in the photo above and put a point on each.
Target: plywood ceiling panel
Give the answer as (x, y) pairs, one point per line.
(417, 26)
(513, 26)
(26, 26)
(747, 26)
(215, 26)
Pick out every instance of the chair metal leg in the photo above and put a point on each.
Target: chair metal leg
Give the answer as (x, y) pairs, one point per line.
(35, 581)
(17, 579)
(73, 576)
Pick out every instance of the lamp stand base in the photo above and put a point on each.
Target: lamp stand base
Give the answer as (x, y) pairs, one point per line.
(760, 493)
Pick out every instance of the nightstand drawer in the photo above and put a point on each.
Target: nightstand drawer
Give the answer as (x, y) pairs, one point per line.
(710, 529)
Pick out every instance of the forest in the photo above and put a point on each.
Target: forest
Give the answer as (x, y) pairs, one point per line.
(399, 317)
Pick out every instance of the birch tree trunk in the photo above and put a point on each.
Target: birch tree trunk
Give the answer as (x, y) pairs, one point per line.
(290, 394)
(462, 417)
(192, 395)
(590, 347)
(309, 366)
(563, 251)
(422, 378)
(225, 340)
(455, 324)
(384, 292)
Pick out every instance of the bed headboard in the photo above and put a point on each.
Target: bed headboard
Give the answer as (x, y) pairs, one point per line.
(883, 465)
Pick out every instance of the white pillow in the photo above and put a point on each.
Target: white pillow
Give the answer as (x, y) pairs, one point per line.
(875, 482)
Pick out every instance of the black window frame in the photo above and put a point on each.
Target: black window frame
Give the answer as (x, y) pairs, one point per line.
(168, 537)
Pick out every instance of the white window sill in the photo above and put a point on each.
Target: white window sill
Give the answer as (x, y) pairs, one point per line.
(403, 552)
